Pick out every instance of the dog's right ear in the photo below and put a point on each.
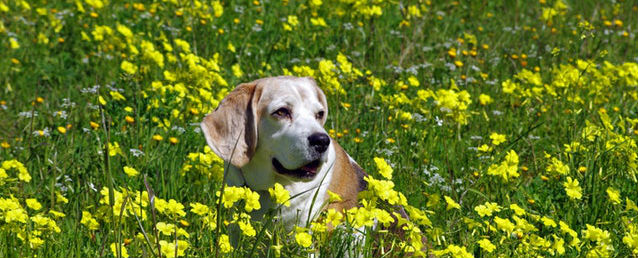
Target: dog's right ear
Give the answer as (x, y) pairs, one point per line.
(231, 130)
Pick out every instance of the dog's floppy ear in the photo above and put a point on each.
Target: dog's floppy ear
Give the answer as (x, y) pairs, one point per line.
(322, 99)
(234, 121)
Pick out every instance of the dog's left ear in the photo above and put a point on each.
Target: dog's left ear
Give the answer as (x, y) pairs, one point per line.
(231, 130)
(322, 99)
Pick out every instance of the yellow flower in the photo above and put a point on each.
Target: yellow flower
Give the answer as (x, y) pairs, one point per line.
(117, 96)
(303, 239)
(508, 169)
(334, 197)
(630, 205)
(631, 238)
(485, 100)
(184, 45)
(169, 249)
(497, 138)
(548, 222)
(454, 251)
(97, 4)
(452, 102)
(484, 148)
(246, 228)
(559, 245)
(414, 11)
(252, 200)
(573, 190)
(558, 167)
(173, 140)
(384, 190)
(130, 171)
(452, 52)
(199, 209)
(413, 81)
(384, 169)
(175, 208)
(23, 174)
(169, 229)
(19, 215)
(14, 43)
(280, 195)
(42, 221)
(129, 119)
(124, 30)
(487, 209)
(315, 3)
(333, 217)
(165, 228)
(231, 195)
(88, 221)
(504, 224)
(451, 204)
(486, 245)
(318, 227)
(224, 244)
(567, 230)
(614, 195)
(210, 221)
(509, 86)
(318, 22)
(3, 174)
(237, 71)
(101, 100)
(33, 204)
(57, 214)
(60, 198)
(593, 233)
(293, 20)
(157, 137)
(529, 77)
(122, 249)
(361, 217)
(517, 209)
(35, 242)
(3, 7)
(115, 149)
(128, 67)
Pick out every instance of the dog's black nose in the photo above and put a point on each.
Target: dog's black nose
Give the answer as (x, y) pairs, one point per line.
(319, 141)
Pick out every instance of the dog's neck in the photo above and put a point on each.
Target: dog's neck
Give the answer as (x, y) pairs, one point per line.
(307, 198)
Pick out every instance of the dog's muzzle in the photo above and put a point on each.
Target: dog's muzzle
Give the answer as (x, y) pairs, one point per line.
(306, 172)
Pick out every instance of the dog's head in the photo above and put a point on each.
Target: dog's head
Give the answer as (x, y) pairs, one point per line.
(272, 129)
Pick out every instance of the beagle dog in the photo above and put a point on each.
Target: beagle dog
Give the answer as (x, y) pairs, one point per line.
(271, 131)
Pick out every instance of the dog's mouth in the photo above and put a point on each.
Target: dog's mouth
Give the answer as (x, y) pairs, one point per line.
(307, 171)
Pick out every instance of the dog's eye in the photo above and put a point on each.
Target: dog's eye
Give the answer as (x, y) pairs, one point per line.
(282, 113)
(320, 114)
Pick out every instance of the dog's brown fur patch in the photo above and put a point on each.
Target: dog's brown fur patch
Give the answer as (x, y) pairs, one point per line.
(347, 180)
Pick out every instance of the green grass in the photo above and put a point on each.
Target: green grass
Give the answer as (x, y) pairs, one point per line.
(433, 153)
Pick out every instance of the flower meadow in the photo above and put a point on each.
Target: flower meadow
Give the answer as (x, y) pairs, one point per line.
(503, 128)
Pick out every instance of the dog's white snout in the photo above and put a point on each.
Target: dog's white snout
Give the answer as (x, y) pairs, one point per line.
(319, 142)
